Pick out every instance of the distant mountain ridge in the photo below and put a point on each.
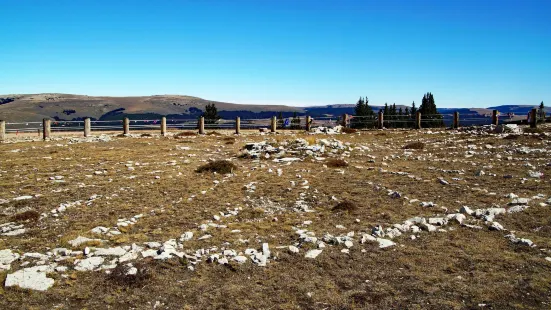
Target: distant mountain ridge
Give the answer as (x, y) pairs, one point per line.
(35, 107)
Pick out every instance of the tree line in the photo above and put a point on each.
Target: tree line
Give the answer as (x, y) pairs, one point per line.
(364, 116)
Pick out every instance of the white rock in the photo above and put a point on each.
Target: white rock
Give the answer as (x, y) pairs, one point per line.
(240, 259)
(186, 236)
(89, 263)
(33, 278)
(266, 250)
(117, 251)
(496, 226)
(313, 253)
(385, 243)
(293, 249)
(6, 258)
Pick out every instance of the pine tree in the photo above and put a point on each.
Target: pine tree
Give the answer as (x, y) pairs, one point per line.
(369, 110)
(211, 114)
(406, 112)
(429, 111)
(542, 110)
(359, 110)
(400, 111)
(280, 121)
(295, 123)
(413, 109)
(386, 110)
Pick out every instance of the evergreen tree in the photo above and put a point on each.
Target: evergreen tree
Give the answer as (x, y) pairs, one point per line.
(406, 112)
(393, 109)
(295, 122)
(428, 111)
(369, 110)
(359, 110)
(542, 110)
(386, 110)
(413, 109)
(211, 114)
(280, 121)
(400, 111)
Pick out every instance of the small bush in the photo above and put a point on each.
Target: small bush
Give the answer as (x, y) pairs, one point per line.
(345, 206)
(120, 275)
(336, 163)
(30, 215)
(415, 146)
(185, 134)
(218, 166)
(349, 130)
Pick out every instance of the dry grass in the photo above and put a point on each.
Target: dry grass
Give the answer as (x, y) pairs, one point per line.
(184, 134)
(218, 166)
(456, 269)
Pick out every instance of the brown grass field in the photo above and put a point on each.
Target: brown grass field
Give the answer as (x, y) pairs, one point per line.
(347, 190)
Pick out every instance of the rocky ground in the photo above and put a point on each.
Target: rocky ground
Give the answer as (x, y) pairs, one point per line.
(424, 219)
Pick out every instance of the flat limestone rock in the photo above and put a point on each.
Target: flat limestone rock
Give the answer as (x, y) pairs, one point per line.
(89, 263)
(313, 253)
(33, 278)
(117, 251)
(6, 258)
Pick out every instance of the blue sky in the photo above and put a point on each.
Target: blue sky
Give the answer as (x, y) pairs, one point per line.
(469, 53)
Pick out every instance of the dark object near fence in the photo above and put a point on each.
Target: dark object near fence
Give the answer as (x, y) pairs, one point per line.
(345, 206)
(185, 134)
(30, 215)
(129, 275)
(415, 146)
(348, 130)
(218, 166)
(336, 163)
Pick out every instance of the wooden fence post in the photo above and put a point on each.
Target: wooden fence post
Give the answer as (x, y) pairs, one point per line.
(2, 130)
(344, 120)
(380, 120)
(533, 118)
(163, 126)
(46, 124)
(495, 120)
(126, 125)
(418, 120)
(201, 125)
(308, 123)
(456, 120)
(87, 127)
(238, 125)
(273, 125)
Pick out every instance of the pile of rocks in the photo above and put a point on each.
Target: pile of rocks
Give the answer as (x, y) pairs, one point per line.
(297, 147)
(327, 130)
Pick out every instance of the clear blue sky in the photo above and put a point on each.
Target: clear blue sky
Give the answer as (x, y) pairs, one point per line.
(468, 53)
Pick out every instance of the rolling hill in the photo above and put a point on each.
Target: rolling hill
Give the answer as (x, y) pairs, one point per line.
(35, 107)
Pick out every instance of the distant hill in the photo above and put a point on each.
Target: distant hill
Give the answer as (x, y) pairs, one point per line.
(35, 107)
